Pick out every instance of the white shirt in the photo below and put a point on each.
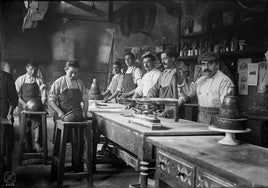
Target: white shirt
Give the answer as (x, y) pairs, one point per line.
(64, 83)
(137, 74)
(147, 82)
(27, 79)
(116, 83)
(211, 91)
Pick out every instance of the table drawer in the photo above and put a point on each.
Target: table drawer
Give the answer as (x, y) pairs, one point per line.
(180, 171)
(205, 179)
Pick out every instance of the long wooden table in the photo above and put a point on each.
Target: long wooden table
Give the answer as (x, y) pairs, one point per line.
(201, 161)
(132, 138)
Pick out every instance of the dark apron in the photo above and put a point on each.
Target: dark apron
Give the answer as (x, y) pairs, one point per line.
(207, 115)
(30, 91)
(167, 92)
(128, 83)
(70, 99)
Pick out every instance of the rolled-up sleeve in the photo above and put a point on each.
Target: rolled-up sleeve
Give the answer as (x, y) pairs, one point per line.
(224, 88)
(18, 84)
(139, 89)
(42, 88)
(54, 91)
(137, 76)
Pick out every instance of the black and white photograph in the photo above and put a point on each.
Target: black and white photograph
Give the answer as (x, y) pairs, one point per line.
(134, 94)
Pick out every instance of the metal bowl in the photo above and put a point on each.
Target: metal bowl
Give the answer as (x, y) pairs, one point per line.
(75, 115)
(35, 105)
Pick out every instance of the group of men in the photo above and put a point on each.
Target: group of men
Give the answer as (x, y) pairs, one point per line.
(68, 92)
(210, 88)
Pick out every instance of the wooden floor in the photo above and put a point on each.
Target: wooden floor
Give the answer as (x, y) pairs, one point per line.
(36, 175)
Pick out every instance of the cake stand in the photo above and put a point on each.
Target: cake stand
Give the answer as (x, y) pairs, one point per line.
(229, 138)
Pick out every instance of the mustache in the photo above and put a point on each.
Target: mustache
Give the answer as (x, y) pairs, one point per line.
(207, 71)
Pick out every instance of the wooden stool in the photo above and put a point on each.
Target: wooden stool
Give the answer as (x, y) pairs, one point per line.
(22, 154)
(81, 131)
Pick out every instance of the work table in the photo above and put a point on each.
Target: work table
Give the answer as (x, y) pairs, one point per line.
(131, 138)
(243, 165)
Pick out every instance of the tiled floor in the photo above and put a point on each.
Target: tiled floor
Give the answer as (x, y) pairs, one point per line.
(30, 176)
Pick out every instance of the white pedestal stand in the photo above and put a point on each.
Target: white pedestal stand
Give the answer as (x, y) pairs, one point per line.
(229, 138)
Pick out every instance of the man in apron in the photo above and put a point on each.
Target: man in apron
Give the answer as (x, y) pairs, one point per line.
(68, 92)
(166, 86)
(132, 77)
(8, 101)
(210, 88)
(31, 87)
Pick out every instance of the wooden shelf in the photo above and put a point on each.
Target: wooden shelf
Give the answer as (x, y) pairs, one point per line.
(243, 53)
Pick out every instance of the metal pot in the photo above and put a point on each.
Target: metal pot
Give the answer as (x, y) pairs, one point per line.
(75, 115)
(35, 105)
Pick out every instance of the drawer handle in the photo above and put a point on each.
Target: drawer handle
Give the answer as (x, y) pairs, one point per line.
(181, 174)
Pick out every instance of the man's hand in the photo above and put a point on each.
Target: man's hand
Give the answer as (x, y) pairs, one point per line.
(10, 117)
(24, 105)
(60, 114)
(105, 100)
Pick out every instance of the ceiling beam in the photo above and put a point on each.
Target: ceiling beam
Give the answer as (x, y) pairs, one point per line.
(88, 8)
(82, 18)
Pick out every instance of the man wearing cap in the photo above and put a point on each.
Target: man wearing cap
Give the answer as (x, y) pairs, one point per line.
(210, 88)
(132, 77)
(150, 78)
(67, 92)
(166, 86)
(115, 85)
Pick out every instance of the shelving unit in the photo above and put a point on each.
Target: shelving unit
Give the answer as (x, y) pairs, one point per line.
(237, 54)
(244, 36)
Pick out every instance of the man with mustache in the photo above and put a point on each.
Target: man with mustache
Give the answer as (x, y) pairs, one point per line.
(166, 86)
(210, 88)
(150, 78)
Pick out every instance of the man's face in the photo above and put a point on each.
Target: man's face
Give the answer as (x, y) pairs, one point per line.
(129, 60)
(148, 64)
(167, 61)
(30, 70)
(209, 68)
(116, 69)
(71, 73)
(184, 73)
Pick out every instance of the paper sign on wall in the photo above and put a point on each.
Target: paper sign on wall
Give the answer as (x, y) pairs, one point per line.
(243, 65)
(263, 76)
(253, 74)
(243, 83)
